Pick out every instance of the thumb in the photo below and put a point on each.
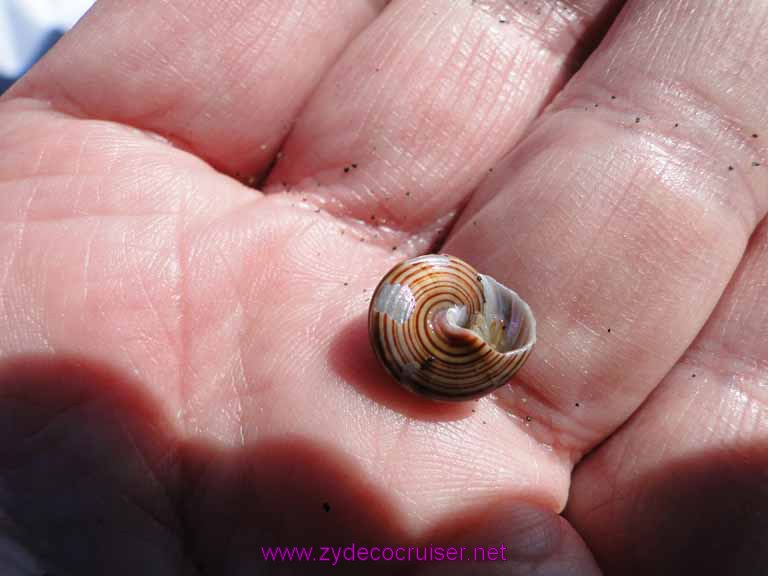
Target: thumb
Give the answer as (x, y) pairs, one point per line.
(517, 538)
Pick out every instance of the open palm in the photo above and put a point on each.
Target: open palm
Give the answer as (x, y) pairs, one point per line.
(198, 198)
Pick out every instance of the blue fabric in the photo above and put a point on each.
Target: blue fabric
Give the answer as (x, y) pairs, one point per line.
(50, 39)
(5, 83)
(28, 29)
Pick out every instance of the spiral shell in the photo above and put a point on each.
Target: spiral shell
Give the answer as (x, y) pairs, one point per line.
(445, 331)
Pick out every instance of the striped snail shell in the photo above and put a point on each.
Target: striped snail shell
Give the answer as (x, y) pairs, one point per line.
(445, 331)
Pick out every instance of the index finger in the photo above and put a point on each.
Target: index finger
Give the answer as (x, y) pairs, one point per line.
(222, 79)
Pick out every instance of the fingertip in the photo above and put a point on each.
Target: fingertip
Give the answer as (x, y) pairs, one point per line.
(532, 540)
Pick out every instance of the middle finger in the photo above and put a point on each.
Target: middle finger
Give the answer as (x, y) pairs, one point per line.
(426, 100)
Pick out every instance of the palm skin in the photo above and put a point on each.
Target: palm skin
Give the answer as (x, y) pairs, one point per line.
(253, 352)
(186, 375)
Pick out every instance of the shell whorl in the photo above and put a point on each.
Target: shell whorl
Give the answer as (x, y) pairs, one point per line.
(445, 331)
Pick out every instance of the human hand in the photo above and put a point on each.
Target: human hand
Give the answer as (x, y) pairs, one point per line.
(186, 376)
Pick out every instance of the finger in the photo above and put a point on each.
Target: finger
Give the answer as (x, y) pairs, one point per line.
(222, 79)
(515, 538)
(690, 465)
(624, 213)
(425, 101)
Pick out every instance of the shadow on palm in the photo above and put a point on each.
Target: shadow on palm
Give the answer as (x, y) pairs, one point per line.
(94, 480)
